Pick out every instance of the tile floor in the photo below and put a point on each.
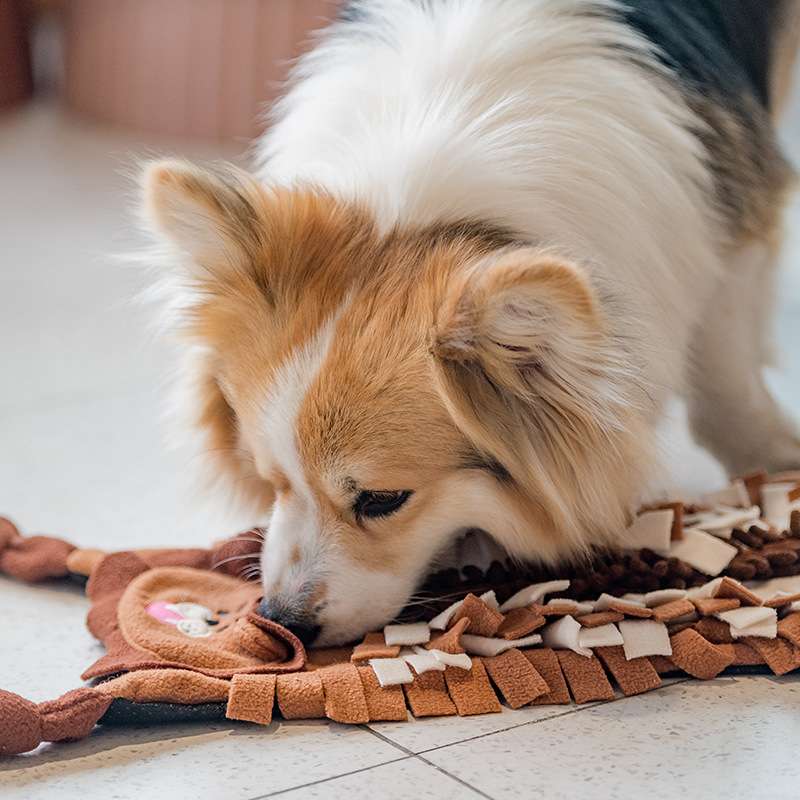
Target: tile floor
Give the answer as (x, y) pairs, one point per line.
(81, 455)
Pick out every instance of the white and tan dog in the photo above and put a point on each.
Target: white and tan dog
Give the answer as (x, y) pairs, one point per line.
(484, 241)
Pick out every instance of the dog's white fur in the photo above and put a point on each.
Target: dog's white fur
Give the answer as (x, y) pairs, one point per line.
(516, 112)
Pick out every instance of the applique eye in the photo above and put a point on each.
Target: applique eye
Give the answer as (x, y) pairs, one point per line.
(371, 505)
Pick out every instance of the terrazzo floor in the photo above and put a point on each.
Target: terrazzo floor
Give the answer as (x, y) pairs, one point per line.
(81, 455)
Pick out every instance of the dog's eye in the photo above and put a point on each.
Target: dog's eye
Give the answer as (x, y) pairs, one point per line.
(379, 504)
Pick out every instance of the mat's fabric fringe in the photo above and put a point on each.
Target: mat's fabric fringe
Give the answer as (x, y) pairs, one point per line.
(341, 685)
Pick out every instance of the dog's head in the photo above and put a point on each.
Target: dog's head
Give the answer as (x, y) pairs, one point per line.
(378, 394)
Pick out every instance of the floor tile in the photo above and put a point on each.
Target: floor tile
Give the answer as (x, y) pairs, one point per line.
(409, 779)
(46, 645)
(731, 738)
(192, 762)
(419, 735)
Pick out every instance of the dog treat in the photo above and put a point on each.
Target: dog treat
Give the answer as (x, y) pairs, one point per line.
(516, 678)
(211, 652)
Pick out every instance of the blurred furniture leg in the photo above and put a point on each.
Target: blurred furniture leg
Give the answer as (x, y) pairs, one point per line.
(15, 63)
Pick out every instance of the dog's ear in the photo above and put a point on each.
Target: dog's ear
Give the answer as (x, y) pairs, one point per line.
(215, 218)
(527, 365)
(518, 319)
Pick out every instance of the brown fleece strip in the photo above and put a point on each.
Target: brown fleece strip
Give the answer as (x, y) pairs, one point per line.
(730, 588)
(585, 675)
(383, 703)
(167, 686)
(556, 608)
(483, 621)
(715, 630)
(789, 628)
(753, 482)
(672, 610)
(344, 694)
(300, 695)
(374, 646)
(520, 622)
(516, 678)
(73, 715)
(697, 656)
(707, 606)
(545, 662)
(629, 609)
(102, 617)
(428, 696)
(662, 664)
(742, 654)
(780, 656)
(251, 698)
(113, 573)
(471, 691)
(450, 641)
(598, 618)
(635, 676)
(777, 602)
(328, 656)
(82, 561)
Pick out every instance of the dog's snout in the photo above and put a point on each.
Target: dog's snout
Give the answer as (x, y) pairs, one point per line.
(304, 627)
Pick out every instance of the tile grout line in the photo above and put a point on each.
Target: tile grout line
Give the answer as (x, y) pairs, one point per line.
(576, 710)
(405, 757)
(418, 757)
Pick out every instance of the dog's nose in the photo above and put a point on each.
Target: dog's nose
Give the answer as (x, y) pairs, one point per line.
(304, 628)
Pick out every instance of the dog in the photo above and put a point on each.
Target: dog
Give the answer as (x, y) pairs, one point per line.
(484, 240)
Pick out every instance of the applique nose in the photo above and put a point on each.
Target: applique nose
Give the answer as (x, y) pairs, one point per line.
(303, 627)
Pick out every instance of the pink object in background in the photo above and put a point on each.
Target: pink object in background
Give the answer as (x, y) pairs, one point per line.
(203, 68)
